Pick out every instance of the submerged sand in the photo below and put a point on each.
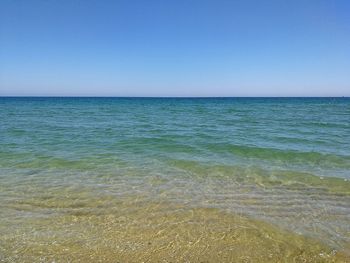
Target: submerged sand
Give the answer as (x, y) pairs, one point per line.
(135, 230)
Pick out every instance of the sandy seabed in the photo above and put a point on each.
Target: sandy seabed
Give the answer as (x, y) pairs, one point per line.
(135, 230)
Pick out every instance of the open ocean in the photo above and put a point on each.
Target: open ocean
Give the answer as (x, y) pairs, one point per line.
(70, 165)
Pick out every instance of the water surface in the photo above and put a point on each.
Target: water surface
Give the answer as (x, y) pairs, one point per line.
(283, 162)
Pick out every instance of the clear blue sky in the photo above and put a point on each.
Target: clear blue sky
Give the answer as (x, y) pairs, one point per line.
(175, 48)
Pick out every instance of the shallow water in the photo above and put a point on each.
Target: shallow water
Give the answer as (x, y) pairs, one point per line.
(71, 167)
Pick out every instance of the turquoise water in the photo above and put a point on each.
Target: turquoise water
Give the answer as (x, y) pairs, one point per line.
(281, 160)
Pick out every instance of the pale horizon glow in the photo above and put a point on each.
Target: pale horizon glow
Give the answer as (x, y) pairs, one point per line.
(175, 48)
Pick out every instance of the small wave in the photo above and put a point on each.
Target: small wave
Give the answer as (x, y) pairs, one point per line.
(285, 156)
(265, 178)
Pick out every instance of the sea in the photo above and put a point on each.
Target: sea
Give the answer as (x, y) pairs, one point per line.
(76, 170)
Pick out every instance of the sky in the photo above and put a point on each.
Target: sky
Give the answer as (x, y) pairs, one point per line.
(174, 48)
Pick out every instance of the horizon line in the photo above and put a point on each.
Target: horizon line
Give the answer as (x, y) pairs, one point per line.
(160, 97)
